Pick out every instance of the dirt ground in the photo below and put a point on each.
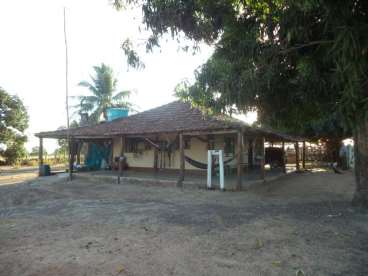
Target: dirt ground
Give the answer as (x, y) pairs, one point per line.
(302, 222)
(13, 176)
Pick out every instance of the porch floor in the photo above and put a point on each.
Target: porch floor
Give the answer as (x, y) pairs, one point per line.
(198, 180)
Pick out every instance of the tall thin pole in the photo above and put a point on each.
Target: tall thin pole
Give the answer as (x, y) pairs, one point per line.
(67, 99)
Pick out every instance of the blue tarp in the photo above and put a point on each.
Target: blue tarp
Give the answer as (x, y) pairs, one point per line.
(97, 152)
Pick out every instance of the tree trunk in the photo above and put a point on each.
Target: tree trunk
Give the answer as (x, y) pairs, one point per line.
(361, 164)
(104, 113)
(332, 150)
(79, 148)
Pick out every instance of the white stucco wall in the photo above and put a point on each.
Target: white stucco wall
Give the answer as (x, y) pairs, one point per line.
(197, 151)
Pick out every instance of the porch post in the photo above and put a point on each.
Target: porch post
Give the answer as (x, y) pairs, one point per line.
(182, 161)
(263, 173)
(71, 159)
(111, 154)
(40, 156)
(297, 156)
(284, 156)
(120, 168)
(303, 155)
(122, 146)
(79, 148)
(250, 153)
(239, 160)
(155, 158)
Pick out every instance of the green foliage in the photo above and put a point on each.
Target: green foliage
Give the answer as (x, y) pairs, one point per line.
(294, 61)
(302, 64)
(34, 151)
(15, 150)
(103, 89)
(62, 150)
(132, 56)
(13, 123)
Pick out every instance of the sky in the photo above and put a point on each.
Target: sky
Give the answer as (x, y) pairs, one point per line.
(32, 57)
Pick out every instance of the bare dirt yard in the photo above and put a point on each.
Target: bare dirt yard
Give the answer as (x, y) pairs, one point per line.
(302, 222)
(9, 175)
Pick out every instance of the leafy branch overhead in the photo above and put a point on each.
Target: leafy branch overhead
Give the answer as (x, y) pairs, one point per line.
(132, 56)
(300, 64)
(312, 53)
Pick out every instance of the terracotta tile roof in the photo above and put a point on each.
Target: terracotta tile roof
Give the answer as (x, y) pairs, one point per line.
(173, 117)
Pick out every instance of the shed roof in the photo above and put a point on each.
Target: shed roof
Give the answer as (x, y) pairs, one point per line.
(173, 117)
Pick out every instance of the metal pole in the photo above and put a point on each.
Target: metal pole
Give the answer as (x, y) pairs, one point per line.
(209, 169)
(221, 165)
(67, 99)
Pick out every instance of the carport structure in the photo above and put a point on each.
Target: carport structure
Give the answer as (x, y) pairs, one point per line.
(176, 137)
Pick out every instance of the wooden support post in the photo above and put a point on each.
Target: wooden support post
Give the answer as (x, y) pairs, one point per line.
(40, 157)
(122, 146)
(71, 159)
(297, 156)
(250, 154)
(120, 166)
(239, 161)
(121, 159)
(79, 148)
(155, 158)
(303, 155)
(284, 157)
(111, 165)
(263, 172)
(182, 161)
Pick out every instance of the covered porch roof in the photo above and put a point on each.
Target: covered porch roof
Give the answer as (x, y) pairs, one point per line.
(175, 117)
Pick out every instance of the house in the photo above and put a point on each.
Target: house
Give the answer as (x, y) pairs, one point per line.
(176, 137)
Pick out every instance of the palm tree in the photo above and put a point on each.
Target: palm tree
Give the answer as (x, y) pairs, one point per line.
(103, 88)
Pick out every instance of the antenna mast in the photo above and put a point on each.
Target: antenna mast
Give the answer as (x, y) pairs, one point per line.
(67, 100)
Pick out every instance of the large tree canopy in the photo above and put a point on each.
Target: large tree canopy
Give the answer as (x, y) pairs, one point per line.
(299, 63)
(13, 123)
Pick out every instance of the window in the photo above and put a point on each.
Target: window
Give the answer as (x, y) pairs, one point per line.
(229, 145)
(131, 145)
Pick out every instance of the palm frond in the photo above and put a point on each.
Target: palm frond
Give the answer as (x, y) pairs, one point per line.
(102, 85)
(88, 85)
(122, 95)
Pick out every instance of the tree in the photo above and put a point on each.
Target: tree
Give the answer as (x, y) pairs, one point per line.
(13, 123)
(103, 87)
(15, 150)
(294, 61)
(63, 143)
(35, 151)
